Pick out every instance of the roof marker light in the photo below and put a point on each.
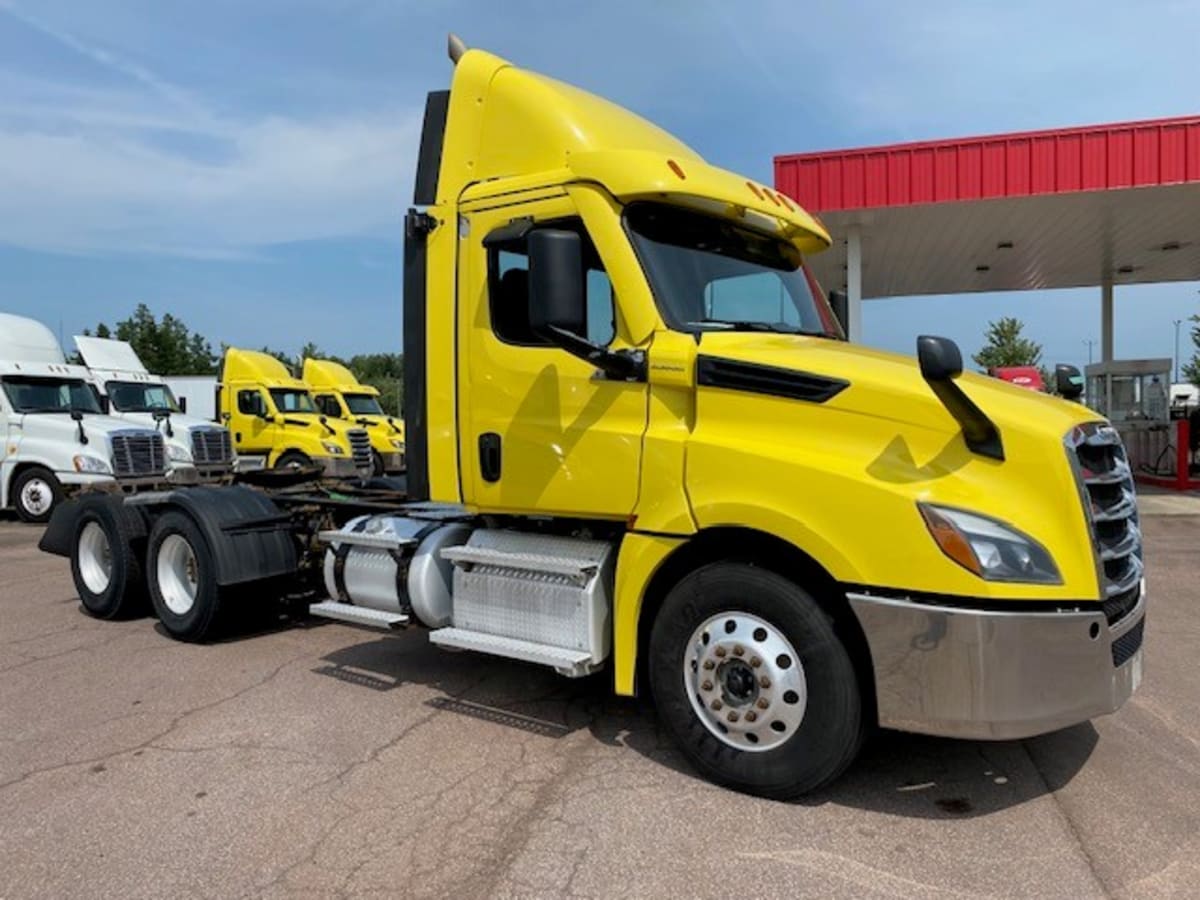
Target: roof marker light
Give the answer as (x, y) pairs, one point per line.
(756, 191)
(772, 197)
(784, 201)
(676, 169)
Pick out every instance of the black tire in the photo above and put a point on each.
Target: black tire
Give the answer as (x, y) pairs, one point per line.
(376, 464)
(167, 576)
(30, 491)
(103, 541)
(809, 754)
(293, 459)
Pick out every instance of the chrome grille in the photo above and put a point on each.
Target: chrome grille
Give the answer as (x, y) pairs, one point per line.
(1106, 481)
(211, 446)
(137, 454)
(360, 447)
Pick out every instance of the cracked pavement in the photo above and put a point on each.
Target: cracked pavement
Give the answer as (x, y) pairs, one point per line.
(328, 761)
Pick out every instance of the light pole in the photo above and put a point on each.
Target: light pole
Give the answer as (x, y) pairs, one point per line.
(1090, 344)
(1178, 322)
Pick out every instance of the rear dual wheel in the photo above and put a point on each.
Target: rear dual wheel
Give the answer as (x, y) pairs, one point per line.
(105, 565)
(181, 575)
(751, 679)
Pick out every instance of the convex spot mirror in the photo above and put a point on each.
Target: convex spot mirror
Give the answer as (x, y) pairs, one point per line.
(556, 301)
(940, 358)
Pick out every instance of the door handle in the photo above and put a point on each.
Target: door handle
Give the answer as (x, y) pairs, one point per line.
(489, 456)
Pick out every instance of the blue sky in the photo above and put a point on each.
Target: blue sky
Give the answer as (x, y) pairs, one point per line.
(246, 165)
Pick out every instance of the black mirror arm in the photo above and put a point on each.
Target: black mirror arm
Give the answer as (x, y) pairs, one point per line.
(622, 365)
(77, 415)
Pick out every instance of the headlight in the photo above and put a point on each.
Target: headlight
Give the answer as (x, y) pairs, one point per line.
(93, 465)
(176, 453)
(992, 550)
(398, 443)
(332, 449)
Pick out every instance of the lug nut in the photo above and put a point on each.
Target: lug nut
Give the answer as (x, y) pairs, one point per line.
(764, 682)
(739, 650)
(717, 704)
(733, 717)
(762, 703)
(751, 716)
(720, 651)
(755, 661)
(709, 664)
(706, 686)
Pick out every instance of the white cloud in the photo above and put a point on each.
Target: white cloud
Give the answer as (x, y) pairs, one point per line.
(148, 167)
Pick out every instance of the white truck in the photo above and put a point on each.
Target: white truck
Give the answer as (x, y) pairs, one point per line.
(56, 438)
(198, 451)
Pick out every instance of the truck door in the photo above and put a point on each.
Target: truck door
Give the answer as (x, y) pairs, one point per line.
(542, 431)
(253, 430)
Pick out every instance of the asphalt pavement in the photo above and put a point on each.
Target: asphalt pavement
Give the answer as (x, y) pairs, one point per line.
(324, 760)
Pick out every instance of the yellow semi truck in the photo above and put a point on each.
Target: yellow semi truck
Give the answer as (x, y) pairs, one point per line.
(275, 422)
(339, 395)
(639, 442)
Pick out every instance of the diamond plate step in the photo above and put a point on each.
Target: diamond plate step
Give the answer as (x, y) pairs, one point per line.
(358, 615)
(572, 663)
(363, 539)
(579, 570)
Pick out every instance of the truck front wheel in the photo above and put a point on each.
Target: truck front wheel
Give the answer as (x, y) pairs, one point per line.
(181, 574)
(752, 681)
(35, 494)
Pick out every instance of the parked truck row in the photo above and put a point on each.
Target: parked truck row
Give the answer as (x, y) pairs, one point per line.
(637, 441)
(256, 415)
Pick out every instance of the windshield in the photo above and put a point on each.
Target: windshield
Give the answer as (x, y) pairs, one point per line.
(363, 405)
(711, 274)
(289, 401)
(50, 395)
(133, 396)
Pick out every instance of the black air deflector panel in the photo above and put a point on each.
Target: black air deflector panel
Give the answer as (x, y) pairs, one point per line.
(753, 378)
(429, 160)
(416, 431)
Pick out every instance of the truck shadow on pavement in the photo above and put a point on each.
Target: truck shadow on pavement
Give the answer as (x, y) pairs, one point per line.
(914, 776)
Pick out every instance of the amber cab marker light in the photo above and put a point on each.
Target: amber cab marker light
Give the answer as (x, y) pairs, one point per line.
(951, 540)
(757, 193)
(675, 167)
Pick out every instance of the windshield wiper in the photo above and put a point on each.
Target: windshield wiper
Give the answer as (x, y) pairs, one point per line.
(748, 325)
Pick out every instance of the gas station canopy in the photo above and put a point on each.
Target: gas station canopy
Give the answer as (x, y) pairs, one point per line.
(1101, 205)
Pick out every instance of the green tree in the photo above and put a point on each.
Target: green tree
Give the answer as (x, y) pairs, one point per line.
(166, 347)
(1004, 346)
(1191, 370)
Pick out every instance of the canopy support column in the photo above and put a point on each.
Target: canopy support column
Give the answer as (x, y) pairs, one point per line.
(1106, 320)
(854, 284)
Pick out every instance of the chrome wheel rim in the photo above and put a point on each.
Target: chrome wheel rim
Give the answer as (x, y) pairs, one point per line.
(177, 573)
(95, 558)
(36, 496)
(745, 681)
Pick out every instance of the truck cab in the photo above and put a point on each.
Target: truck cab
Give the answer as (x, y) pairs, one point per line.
(197, 450)
(637, 440)
(339, 395)
(55, 439)
(273, 418)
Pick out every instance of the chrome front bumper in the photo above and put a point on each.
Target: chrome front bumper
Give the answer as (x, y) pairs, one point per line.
(985, 674)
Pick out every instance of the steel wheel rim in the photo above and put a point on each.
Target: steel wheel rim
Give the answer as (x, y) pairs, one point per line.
(36, 496)
(745, 681)
(178, 574)
(95, 558)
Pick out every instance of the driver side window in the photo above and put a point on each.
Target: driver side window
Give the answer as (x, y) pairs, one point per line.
(508, 292)
(250, 403)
